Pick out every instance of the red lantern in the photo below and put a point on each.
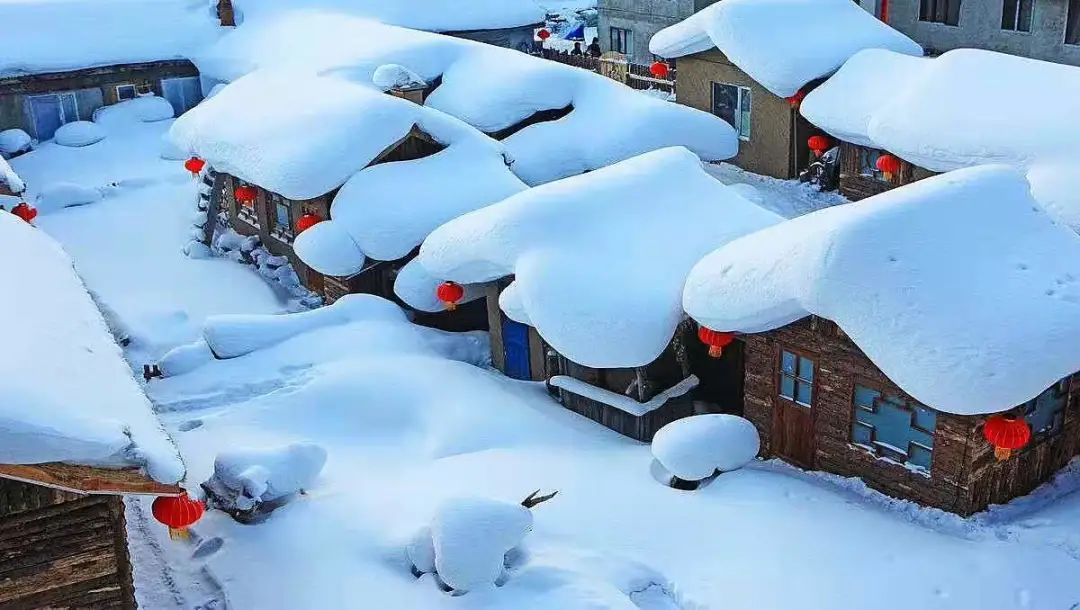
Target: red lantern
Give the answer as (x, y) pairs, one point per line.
(450, 293)
(246, 195)
(1006, 433)
(307, 221)
(818, 144)
(888, 165)
(25, 211)
(543, 34)
(194, 165)
(796, 99)
(715, 339)
(178, 513)
(659, 69)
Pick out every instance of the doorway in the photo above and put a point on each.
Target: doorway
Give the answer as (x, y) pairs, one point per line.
(793, 406)
(515, 337)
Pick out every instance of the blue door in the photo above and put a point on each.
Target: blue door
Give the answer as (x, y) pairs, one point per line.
(516, 349)
(48, 115)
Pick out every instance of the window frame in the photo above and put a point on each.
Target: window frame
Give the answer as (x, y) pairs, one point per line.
(244, 213)
(1057, 424)
(282, 233)
(134, 91)
(935, 9)
(877, 449)
(625, 38)
(741, 92)
(780, 374)
(1072, 21)
(1016, 17)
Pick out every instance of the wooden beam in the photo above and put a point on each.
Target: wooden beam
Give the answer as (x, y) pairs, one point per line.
(88, 480)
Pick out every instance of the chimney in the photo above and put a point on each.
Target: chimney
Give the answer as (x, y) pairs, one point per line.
(412, 92)
(226, 13)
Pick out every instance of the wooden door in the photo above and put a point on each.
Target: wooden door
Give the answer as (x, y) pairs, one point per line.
(793, 411)
(515, 338)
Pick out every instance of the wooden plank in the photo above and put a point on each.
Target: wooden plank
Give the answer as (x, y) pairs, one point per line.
(102, 592)
(95, 563)
(84, 479)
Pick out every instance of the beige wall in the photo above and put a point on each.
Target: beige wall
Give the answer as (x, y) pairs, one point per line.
(769, 148)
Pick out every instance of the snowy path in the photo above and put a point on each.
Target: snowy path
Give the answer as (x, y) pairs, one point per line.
(407, 427)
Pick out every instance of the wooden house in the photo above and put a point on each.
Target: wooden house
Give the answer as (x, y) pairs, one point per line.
(861, 175)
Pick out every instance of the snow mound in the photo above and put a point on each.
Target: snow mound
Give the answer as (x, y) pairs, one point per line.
(471, 537)
(146, 109)
(695, 447)
(59, 195)
(782, 44)
(70, 396)
(79, 133)
(13, 141)
(599, 260)
(395, 76)
(264, 475)
(9, 179)
(963, 269)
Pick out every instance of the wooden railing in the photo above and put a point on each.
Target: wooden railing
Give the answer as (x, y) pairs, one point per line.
(630, 74)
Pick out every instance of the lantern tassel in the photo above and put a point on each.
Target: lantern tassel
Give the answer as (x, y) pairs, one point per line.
(450, 306)
(715, 351)
(1002, 453)
(179, 534)
(888, 176)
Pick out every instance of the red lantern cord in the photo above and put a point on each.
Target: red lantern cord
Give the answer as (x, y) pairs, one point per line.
(178, 513)
(307, 221)
(1006, 433)
(450, 293)
(716, 340)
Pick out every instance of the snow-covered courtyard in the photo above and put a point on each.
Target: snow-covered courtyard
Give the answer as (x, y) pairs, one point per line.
(410, 417)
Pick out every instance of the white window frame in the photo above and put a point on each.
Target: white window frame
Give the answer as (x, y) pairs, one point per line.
(1016, 17)
(741, 92)
(134, 92)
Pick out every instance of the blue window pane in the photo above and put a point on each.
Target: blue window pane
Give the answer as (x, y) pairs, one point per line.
(863, 435)
(283, 216)
(803, 392)
(925, 418)
(787, 387)
(1044, 414)
(920, 456)
(865, 397)
(896, 428)
(787, 362)
(806, 369)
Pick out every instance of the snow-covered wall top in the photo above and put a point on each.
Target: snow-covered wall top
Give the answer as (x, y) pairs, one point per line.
(958, 287)
(598, 260)
(9, 179)
(56, 35)
(67, 394)
(489, 87)
(946, 113)
(430, 15)
(782, 44)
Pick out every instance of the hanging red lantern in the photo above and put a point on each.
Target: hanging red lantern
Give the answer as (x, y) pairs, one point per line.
(1006, 433)
(716, 340)
(888, 165)
(659, 69)
(178, 513)
(543, 34)
(819, 144)
(307, 221)
(450, 293)
(194, 165)
(25, 211)
(796, 99)
(246, 195)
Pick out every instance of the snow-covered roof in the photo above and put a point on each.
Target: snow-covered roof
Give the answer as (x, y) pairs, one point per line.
(57, 35)
(9, 179)
(782, 44)
(958, 287)
(947, 112)
(430, 15)
(599, 259)
(67, 394)
(489, 87)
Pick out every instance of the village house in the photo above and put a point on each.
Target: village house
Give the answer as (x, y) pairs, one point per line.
(107, 59)
(755, 74)
(68, 451)
(575, 300)
(950, 380)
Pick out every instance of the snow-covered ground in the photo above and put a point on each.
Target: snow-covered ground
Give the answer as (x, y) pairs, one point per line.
(408, 422)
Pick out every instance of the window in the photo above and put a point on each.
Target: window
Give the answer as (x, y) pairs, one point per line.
(893, 427)
(1016, 15)
(1072, 23)
(733, 104)
(282, 223)
(940, 11)
(796, 378)
(868, 163)
(246, 213)
(621, 40)
(1046, 413)
(125, 92)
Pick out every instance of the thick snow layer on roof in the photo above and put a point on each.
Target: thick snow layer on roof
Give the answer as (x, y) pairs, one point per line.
(959, 287)
(599, 260)
(782, 44)
(57, 35)
(489, 87)
(67, 394)
(430, 15)
(9, 179)
(302, 135)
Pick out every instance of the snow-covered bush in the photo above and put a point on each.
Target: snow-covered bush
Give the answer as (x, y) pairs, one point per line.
(696, 447)
(275, 269)
(185, 358)
(13, 141)
(79, 133)
(395, 76)
(146, 109)
(65, 194)
(250, 483)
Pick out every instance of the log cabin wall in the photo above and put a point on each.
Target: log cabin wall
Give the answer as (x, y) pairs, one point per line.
(860, 179)
(62, 550)
(963, 476)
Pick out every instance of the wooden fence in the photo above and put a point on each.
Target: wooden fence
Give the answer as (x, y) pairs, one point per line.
(632, 75)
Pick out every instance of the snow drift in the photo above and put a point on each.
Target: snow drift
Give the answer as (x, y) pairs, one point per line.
(693, 448)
